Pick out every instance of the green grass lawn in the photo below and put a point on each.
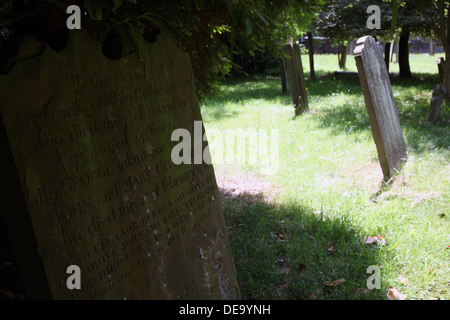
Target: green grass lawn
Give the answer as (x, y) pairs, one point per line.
(307, 240)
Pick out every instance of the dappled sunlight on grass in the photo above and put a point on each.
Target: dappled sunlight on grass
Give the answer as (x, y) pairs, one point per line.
(328, 192)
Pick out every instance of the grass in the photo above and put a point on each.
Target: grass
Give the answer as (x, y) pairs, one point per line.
(329, 194)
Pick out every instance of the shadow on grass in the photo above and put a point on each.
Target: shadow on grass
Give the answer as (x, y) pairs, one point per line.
(412, 98)
(250, 87)
(295, 252)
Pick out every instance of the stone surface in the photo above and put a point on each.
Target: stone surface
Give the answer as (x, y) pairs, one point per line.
(91, 141)
(436, 103)
(380, 103)
(441, 68)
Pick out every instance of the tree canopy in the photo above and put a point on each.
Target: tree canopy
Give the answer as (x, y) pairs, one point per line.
(343, 21)
(210, 31)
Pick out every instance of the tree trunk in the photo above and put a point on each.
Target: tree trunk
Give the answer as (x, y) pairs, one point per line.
(432, 48)
(312, 74)
(342, 55)
(396, 51)
(387, 51)
(403, 52)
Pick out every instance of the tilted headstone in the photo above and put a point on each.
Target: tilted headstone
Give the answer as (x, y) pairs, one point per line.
(441, 68)
(437, 99)
(380, 103)
(296, 78)
(91, 140)
(284, 77)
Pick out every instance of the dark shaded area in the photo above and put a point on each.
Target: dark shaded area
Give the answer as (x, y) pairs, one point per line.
(112, 45)
(282, 251)
(152, 36)
(15, 215)
(413, 112)
(413, 108)
(11, 287)
(8, 50)
(57, 40)
(254, 62)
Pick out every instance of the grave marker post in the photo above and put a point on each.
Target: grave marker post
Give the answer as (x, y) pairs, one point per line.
(380, 103)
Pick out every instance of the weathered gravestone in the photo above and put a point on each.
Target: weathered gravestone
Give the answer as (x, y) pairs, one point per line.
(380, 103)
(284, 77)
(91, 140)
(437, 99)
(296, 77)
(441, 68)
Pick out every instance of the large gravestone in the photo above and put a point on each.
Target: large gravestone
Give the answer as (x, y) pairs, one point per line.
(90, 139)
(380, 103)
(296, 77)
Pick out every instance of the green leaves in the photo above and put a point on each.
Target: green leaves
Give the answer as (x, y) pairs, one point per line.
(199, 4)
(157, 20)
(198, 27)
(248, 26)
(117, 4)
(95, 7)
(140, 42)
(422, 5)
(94, 10)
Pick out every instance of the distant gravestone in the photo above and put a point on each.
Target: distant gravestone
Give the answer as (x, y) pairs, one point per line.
(296, 77)
(284, 77)
(441, 68)
(90, 139)
(380, 103)
(437, 99)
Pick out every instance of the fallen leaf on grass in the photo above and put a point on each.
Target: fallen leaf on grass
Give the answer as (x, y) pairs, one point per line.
(394, 294)
(278, 235)
(312, 296)
(334, 283)
(361, 291)
(283, 287)
(284, 270)
(330, 248)
(301, 266)
(376, 239)
(403, 279)
(248, 260)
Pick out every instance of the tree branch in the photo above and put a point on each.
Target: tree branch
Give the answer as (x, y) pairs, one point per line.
(440, 32)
